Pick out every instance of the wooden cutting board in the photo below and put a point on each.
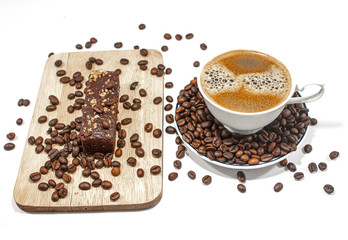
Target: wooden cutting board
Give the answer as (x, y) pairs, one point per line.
(136, 193)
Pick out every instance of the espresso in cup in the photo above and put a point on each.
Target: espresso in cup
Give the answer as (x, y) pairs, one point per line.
(246, 81)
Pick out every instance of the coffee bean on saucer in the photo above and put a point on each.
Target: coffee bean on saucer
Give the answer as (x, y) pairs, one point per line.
(312, 167)
(19, 121)
(191, 174)
(329, 189)
(322, 166)
(333, 155)
(115, 196)
(298, 175)
(307, 148)
(172, 176)
(241, 188)
(278, 187)
(207, 179)
(9, 146)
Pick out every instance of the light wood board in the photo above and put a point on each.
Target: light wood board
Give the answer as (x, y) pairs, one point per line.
(136, 193)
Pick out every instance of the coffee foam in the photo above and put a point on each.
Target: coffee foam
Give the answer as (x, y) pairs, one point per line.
(216, 78)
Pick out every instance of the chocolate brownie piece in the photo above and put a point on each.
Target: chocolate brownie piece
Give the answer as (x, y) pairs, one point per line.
(98, 127)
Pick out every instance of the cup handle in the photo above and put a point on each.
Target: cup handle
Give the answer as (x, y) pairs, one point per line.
(309, 98)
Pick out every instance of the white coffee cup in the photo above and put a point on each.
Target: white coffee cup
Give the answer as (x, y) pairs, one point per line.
(248, 123)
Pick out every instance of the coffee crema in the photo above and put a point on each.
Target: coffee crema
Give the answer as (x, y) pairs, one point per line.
(246, 81)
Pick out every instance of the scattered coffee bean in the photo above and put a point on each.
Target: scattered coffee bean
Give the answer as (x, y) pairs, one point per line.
(322, 166)
(88, 45)
(314, 121)
(241, 176)
(203, 46)
(168, 107)
(333, 155)
(206, 179)
(50, 54)
(167, 36)
(99, 62)
(115, 196)
(178, 140)
(95, 175)
(148, 127)
(144, 52)
(241, 188)
(89, 65)
(172, 176)
(177, 164)
(307, 148)
(115, 171)
(93, 40)
(178, 37)
(135, 106)
(139, 152)
(329, 189)
(191, 174)
(43, 186)
(142, 26)
(180, 153)
(189, 36)
(126, 121)
(52, 183)
(58, 63)
(84, 186)
(55, 196)
(19, 121)
(157, 100)
(11, 136)
(170, 130)
(132, 161)
(291, 166)
(39, 149)
(169, 118)
(124, 61)
(118, 45)
(133, 85)
(134, 137)
(196, 64)
(51, 108)
(298, 176)
(34, 177)
(169, 85)
(26, 102)
(157, 153)
(164, 48)
(97, 182)
(169, 99)
(20, 102)
(140, 172)
(61, 73)
(155, 170)
(157, 133)
(278, 187)
(312, 167)
(106, 185)
(42, 119)
(142, 92)
(9, 146)
(283, 162)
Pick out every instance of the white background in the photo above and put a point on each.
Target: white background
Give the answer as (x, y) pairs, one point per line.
(309, 37)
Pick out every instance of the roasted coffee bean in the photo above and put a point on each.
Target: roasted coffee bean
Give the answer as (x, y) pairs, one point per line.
(93, 40)
(178, 37)
(189, 36)
(157, 153)
(61, 73)
(164, 48)
(134, 137)
(140, 172)
(144, 52)
(126, 121)
(329, 189)
(127, 105)
(172, 176)
(89, 65)
(142, 26)
(241, 176)
(53, 100)
(124, 98)
(241, 188)
(169, 99)
(170, 130)
(132, 161)
(191, 174)
(143, 62)
(65, 79)
(133, 85)
(88, 45)
(180, 153)
(84, 186)
(51, 108)
(20, 102)
(291, 166)
(278, 187)
(333, 155)
(43, 186)
(167, 36)
(97, 182)
(322, 166)
(115, 171)
(170, 118)
(157, 100)
(168, 107)
(157, 133)
(106, 185)
(196, 64)
(118, 152)
(39, 149)
(122, 134)
(19, 121)
(95, 175)
(148, 127)
(115, 196)
(124, 61)
(58, 63)
(298, 176)
(135, 106)
(312, 167)
(26, 102)
(169, 85)
(154, 71)
(99, 61)
(139, 152)
(55, 196)
(118, 45)
(307, 148)
(9, 146)
(206, 179)
(11, 136)
(42, 119)
(43, 170)
(203, 46)
(283, 163)
(52, 183)
(142, 92)
(155, 170)
(177, 164)
(314, 121)
(34, 177)
(59, 186)
(86, 172)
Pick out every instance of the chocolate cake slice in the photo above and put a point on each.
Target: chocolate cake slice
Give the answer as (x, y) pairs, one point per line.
(98, 127)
